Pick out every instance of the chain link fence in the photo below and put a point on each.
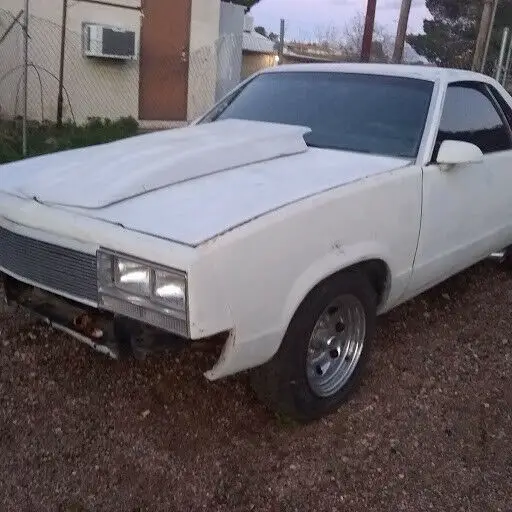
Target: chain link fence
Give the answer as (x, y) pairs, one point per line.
(179, 88)
(107, 88)
(11, 62)
(90, 89)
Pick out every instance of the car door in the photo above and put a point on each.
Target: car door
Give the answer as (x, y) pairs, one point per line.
(467, 209)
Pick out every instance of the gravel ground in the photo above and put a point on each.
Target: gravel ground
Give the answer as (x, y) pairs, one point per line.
(431, 428)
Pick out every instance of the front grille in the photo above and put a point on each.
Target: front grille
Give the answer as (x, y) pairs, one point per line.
(48, 265)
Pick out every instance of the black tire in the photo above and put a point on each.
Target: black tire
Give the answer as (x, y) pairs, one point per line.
(282, 383)
(507, 258)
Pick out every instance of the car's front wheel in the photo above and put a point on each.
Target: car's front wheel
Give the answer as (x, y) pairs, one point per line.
(323, 352)
(507, 257)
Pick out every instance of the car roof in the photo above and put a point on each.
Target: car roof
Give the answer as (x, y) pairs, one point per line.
(426, 72)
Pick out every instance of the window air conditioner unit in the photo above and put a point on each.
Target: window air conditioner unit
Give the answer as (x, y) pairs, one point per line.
(108, 42)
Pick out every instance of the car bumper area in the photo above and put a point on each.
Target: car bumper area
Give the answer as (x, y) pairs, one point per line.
(112, 335)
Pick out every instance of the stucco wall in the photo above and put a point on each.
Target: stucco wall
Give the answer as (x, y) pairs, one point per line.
(204, 34)
(95, 87)
(253, 62)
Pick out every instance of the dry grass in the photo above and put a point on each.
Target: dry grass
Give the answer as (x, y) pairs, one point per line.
(431, 429)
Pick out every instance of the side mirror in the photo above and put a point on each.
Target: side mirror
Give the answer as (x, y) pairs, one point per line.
(456, 152)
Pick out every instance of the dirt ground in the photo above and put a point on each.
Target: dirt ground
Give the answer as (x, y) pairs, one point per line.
(431, 428)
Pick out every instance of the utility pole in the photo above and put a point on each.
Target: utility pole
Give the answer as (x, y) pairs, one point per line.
(485, 24)
(60, 97)
(401, 31)
(489, 35)
(507, 64)
(501, 58)
(369, 24)
(281, 41)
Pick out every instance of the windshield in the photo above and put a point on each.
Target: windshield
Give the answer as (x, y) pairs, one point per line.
(376, 114)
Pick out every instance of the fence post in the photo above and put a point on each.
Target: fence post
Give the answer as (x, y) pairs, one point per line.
(25, 79)
(60, 98)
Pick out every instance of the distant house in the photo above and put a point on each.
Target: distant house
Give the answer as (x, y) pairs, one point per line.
(259, 52)
(163, 69)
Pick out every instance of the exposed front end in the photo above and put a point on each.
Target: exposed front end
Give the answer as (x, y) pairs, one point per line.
(99, 296)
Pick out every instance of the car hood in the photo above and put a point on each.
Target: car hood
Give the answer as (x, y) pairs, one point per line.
(98, 176)
(192, 184)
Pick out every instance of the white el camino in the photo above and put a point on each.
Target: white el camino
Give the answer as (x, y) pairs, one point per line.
(307, 202)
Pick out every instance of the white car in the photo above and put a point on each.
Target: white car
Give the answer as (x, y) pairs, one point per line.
(310, 200)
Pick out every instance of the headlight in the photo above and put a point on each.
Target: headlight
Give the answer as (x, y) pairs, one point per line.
(170, 288)
(142, 283)
(132, 277)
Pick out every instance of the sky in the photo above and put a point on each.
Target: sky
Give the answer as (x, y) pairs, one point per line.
(303, 17)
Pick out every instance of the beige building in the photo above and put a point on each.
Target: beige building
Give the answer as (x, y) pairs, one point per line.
(259, 52)
(171, 76)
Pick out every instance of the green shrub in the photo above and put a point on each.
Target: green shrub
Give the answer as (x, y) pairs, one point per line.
(43, 138)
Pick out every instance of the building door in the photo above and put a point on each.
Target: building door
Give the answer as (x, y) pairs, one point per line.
(164, 57)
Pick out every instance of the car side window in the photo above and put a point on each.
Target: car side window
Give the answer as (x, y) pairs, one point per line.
(469, 115)
(505, 107)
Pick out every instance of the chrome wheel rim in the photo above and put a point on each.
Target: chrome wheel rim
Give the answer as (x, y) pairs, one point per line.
(335, 345)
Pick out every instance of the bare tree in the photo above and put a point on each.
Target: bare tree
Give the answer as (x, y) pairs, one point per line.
(328, 36)
(353, 39)
(329, 40)
(353, 34)
(345, 43)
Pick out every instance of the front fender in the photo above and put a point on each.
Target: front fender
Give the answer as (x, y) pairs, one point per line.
(340, 257)
(273, 262)
(237, 355)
